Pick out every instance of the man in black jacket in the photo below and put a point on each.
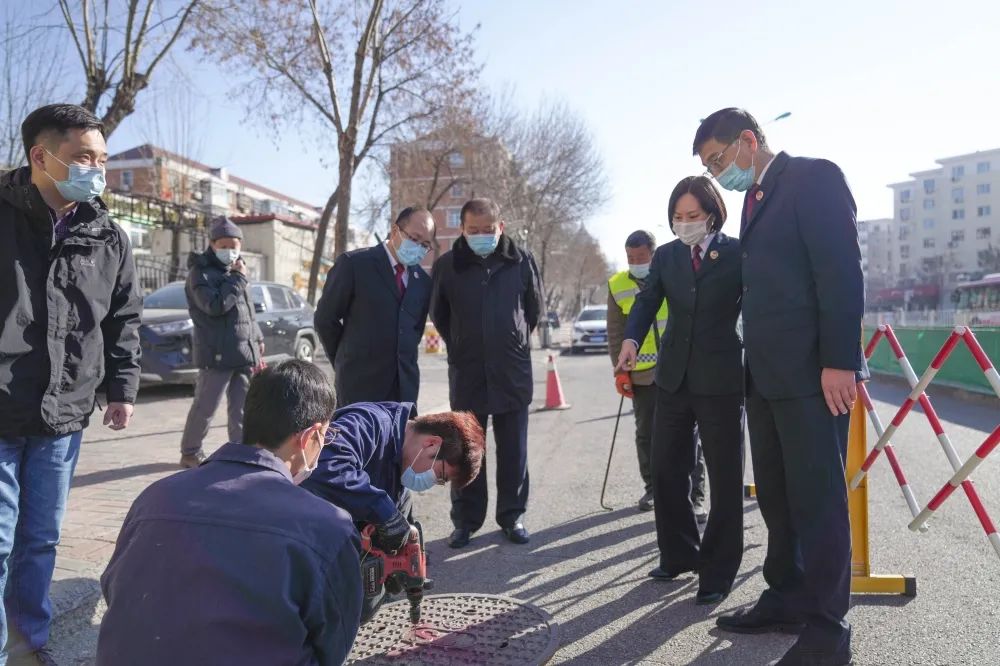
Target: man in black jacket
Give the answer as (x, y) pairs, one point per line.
(486, 303)
(228, 343)
(372, 314)
(70, 308)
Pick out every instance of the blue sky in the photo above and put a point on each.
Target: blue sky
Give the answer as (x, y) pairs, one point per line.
(883, 88)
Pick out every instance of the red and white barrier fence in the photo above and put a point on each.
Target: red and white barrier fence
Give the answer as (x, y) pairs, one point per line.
(960, 478)
(897, 470)
(918, 396)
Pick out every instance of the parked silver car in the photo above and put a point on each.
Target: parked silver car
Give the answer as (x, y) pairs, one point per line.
(590, 329)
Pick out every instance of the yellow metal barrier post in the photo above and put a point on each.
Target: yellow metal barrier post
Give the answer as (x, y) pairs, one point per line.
(862, 579)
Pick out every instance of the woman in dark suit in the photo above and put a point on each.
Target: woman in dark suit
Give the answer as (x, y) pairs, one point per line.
(699, 377)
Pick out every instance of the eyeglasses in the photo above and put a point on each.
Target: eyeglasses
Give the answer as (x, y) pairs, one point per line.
(424, 244)
(714, 166)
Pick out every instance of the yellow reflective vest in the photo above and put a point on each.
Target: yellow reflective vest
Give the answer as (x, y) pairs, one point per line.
(624, 289)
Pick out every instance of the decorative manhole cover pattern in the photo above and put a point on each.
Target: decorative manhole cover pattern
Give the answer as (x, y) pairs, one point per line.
(458, 629)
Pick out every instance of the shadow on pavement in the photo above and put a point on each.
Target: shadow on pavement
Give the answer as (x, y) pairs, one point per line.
(159, 392)
(122, 473)
(553, 571)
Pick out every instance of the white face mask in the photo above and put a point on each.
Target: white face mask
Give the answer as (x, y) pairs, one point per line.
(639, 271)
(306, 471)
(692, 233)
(227, 255)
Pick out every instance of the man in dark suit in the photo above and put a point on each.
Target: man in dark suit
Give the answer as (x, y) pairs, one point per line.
(803, 299)
(372, 313)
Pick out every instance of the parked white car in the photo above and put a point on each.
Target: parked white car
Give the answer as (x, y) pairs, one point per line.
(590, 329)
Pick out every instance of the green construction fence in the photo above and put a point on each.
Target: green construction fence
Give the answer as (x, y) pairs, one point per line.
(921, 345)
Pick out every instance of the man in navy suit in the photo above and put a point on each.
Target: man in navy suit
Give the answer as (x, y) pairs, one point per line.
(372, 313)
(803, 299)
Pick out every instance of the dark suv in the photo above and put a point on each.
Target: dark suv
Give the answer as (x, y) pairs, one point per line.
(165, 334)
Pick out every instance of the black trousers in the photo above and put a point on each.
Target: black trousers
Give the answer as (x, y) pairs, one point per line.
(799, 450)
(468, 505)
(644, 407)
(716, 556)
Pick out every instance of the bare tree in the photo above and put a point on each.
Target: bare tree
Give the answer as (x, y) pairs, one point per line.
(467, 129)
(578, 273)
(119, 49)
(365, 70)
(989, 258)
(556, 178)
(26, 83)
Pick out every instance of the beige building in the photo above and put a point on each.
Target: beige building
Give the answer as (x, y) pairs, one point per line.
(279, 230)
(944, 216)
(151, 171)
(876, 250)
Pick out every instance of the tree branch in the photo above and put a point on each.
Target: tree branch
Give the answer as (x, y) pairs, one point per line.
(173, 38)
(327, 62)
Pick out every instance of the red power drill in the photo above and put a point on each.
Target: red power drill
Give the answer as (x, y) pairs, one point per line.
(407, 567)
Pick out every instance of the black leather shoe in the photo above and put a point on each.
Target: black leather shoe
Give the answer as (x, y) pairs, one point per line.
(662, 574)
(754, 621)
(460, 537)
(706, 598)
(516, 534)
(799, 656)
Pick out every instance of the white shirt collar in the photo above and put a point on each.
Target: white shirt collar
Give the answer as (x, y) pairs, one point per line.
(760, 178)
(392, 259)
(705, 243)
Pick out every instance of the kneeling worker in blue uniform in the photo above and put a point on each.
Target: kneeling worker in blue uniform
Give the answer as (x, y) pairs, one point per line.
(231, 563)
(376, 453)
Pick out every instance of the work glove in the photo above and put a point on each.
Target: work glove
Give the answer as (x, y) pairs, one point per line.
(392, 535)
(623, 384)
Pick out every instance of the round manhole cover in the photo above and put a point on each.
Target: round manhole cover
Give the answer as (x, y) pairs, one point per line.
(458, 629)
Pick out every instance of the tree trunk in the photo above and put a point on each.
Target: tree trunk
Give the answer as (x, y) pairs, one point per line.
(344, 199)
(317, 260)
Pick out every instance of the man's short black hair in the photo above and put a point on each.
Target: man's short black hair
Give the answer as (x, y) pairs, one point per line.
(725, 125)
(480, 206)
(51, 122)
(641, 238)
(404, 215)
(285, 399)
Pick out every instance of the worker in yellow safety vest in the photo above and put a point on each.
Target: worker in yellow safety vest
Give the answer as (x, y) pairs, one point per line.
(638, 384)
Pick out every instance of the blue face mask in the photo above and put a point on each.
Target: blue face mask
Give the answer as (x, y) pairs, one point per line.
(735, 178)
(639, 271)
(422, 481)
(410, 253)
(82, 184)
(482, 244)
(226, 255)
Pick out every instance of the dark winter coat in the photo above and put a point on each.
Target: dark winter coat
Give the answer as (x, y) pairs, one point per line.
(486, 310)
(226, 334)
(69, 313)
(231, 563)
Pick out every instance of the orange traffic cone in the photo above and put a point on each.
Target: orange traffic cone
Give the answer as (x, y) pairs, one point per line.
(554, 398)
